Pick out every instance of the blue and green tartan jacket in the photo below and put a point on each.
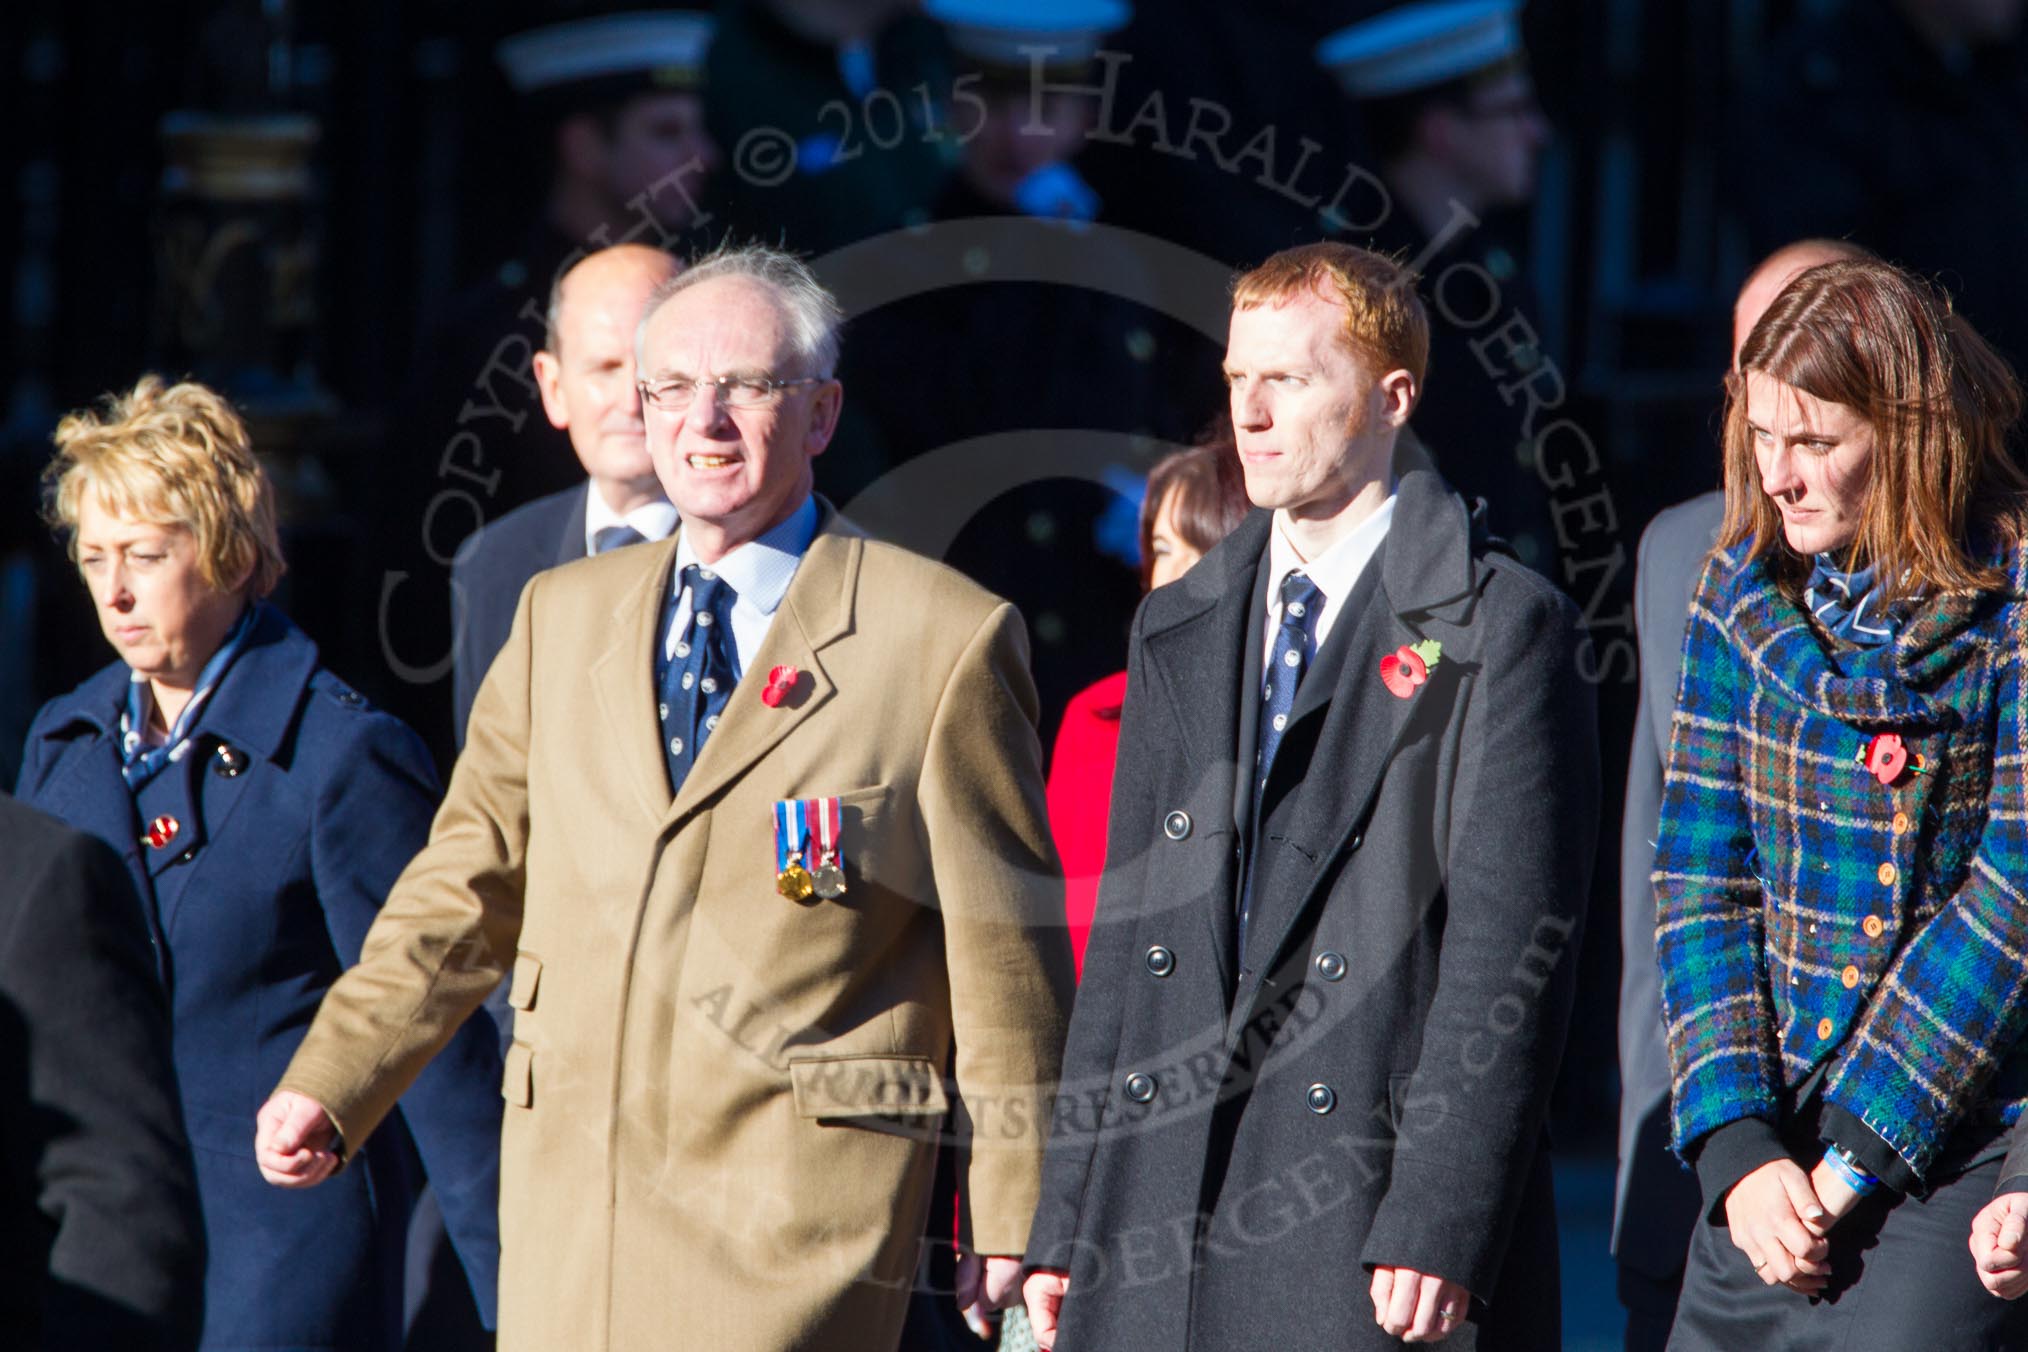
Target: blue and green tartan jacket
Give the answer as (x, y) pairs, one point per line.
(1807, 913)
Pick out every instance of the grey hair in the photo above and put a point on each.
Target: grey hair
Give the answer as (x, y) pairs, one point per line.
(814, 315)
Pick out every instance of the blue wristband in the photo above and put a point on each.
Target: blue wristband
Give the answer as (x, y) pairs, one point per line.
(1849, 1172)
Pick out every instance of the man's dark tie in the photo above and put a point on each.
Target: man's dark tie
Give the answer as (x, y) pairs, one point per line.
(693, 684)
(608, 538)
(1302, 603)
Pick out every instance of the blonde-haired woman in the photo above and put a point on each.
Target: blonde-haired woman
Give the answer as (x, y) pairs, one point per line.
(264, 809)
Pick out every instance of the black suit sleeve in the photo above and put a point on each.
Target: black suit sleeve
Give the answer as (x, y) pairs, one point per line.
(99, 1180)
(1523, 825)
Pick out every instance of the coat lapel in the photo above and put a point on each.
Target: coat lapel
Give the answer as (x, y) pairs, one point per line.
(816, 612)
(1198, 637)
(84, 786)
(253, 711)
(1425, 570)
(568, 546)
(622, 676)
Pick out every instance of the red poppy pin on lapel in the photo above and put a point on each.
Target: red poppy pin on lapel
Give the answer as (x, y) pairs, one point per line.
(1885, 757)
(1408, 666)
(781, 680)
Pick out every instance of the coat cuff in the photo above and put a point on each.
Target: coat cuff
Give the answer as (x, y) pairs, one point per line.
(1841, 1127)
(1732, 1152)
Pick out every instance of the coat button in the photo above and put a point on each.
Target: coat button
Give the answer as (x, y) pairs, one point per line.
(1823, 1029)
(1887, 874)
(229, 763)
(1850, 976)
(1358, 839)
(1176, 825)
(1321, 1098)
(1900, 823)
(187, 855)
(1140, 1088)
(1331, 966)
(1873, 926)
(1161, 961)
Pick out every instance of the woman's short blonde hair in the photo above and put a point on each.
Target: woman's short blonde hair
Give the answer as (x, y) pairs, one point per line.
(171, 455)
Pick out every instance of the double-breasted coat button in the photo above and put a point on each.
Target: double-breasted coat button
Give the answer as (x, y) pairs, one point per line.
(1321, 1098)
(1887, 874)
(1140, 1087)
(1176, 825)
(1874, 926)
(1331, 966)
(1161, 961)
(1358, 839)
(228, 762)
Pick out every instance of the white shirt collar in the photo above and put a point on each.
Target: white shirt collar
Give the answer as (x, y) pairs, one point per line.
(1335, 571)
(654, 520)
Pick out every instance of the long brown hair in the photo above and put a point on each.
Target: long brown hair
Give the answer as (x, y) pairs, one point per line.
(1944, 483)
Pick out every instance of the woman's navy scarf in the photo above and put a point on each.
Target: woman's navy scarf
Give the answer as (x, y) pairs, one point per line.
(1848, 604)
(139, 762)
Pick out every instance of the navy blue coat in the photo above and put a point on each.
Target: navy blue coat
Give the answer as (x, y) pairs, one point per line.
(486, 582)
(261, 899)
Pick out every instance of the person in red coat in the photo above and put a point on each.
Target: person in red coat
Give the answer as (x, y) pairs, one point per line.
(1194, 499)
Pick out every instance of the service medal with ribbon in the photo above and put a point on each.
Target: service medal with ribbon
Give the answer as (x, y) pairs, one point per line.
(792, 880)
(826, 817)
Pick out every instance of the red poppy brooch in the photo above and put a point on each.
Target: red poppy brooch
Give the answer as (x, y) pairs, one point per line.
(781, 680)
(1885, 757)
(1408, 666)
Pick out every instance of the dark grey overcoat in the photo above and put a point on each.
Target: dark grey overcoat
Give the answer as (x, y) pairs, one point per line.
(1243, 1136)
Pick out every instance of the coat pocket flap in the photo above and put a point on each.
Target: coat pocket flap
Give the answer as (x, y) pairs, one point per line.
(517, 1079)
(868, 1086)
(527, 973)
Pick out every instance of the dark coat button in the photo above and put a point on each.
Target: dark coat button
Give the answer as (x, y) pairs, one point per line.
(1331, 966)
(1358, 839)
(187, 855)
(1321, 1098)
(1161, 961)
(1176, 825)
(1140, 1088)
(229, 762)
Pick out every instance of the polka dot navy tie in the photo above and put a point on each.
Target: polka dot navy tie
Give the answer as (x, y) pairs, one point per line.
(694, 681)
(1302, 603)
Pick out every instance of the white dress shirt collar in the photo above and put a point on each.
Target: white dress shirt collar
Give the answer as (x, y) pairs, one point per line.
(1335, 572)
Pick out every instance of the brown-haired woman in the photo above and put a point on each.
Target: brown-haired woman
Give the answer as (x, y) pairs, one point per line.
(1844, 840)
(1193, 500)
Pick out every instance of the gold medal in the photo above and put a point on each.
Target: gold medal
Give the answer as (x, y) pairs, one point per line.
(829, 879)
(794, 882)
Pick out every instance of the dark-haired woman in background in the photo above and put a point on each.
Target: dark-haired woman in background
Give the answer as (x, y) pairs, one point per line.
(1194, 499)
(1844, 839)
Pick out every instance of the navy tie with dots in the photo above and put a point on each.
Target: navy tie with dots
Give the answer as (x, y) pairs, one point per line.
(694, 682)
(1302, 603)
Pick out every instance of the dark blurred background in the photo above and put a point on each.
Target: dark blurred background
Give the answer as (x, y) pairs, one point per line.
(337, 212)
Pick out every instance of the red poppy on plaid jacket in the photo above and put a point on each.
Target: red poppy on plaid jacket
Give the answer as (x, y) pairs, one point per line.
(1807, 912)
